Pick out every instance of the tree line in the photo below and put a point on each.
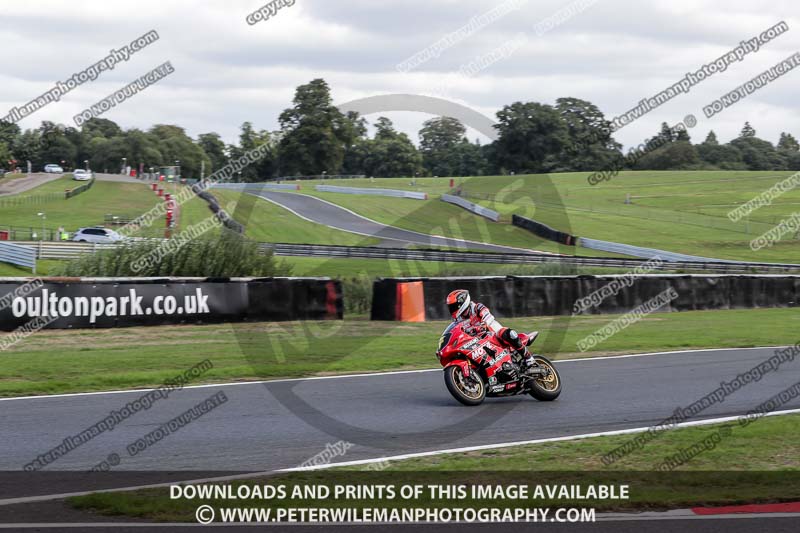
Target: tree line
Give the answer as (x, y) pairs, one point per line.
(316, 138)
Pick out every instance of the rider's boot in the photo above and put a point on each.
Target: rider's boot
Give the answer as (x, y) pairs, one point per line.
(527, 361)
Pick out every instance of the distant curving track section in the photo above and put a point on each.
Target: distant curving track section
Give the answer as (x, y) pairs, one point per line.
(331, 215)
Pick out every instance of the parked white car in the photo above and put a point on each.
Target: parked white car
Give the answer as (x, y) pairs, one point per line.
(97, 235)
(53, 169)
(82, 175)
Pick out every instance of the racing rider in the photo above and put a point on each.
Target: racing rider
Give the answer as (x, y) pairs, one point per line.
(480, 319)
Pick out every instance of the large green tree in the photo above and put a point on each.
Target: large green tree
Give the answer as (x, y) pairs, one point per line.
(788, 143)
(719, 156)
(759, 154)
(175, 145)
(26, 147)
(214, 147)
(5, 156)
(354, 131)
(440, 139)
(314, 131)
(590, 143)
(531, 136)
(391, 153)
(250, 139)
(677, 155)
(8, 132)
(747, 130)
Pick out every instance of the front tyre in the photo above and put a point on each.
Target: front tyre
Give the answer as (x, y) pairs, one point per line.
(548, 387)
(469, 390)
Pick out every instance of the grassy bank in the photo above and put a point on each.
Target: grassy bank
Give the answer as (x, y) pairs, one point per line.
(87, 209)
(679, 211)
(267, 222)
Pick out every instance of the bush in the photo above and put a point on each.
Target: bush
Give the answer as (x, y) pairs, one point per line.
(224, 255)
(357, 294)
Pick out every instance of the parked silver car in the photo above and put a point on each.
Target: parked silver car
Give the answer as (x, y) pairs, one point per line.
(82, 175)
(53, 169)
(98, 235)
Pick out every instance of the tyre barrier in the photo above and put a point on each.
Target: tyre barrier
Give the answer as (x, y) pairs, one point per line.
(224, 218)
(543, 230)
(65, 303)
(517, 296)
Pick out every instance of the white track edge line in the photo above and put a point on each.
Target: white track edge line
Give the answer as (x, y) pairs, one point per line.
(369, 374)
(482, 447)
(49, 497)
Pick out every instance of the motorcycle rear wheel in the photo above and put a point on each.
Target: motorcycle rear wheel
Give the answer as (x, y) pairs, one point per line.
(467, 390)
(548, 388)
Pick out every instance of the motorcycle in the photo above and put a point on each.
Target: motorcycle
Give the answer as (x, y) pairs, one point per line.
(477, 365)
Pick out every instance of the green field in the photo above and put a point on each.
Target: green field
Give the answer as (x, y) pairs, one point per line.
(345, 268)
(680, 211)
(56, 361)
(267, 222)
(340, 267)
(675, 211)
(43, 267)
(86, 209)
(728, 474)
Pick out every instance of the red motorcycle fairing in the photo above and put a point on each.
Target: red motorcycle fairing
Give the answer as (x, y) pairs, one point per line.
(483, 351)
(460, 363)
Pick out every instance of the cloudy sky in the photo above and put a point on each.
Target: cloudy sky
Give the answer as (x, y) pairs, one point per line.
(610, 52)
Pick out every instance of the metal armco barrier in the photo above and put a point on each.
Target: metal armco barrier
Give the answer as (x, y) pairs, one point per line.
(368, 252)
(16, 254)
(638, 251)
(543, 230)
(64, 249)
(71, 250)
(256, 186)
(516, 296)
(124, 302)
(374, 192)
(494, 216)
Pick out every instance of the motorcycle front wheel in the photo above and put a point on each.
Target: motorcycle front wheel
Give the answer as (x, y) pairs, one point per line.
(469, 390)
(548, 387)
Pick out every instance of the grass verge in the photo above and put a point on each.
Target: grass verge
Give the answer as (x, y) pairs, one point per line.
(59, 361)
(87, 209)
(753, 464)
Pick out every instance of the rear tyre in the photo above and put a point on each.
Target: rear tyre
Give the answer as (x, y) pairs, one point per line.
(469, 390)
(546, 388)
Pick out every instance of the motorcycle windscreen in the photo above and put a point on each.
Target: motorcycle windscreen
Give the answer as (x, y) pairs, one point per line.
(444, 340)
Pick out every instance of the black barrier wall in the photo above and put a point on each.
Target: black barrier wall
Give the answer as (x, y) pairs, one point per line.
(543, 230)
(213, 205)
(108, 303)
(558, 295)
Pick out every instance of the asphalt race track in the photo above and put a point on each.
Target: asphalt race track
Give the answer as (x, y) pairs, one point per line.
(383, 415)
(331, 215)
